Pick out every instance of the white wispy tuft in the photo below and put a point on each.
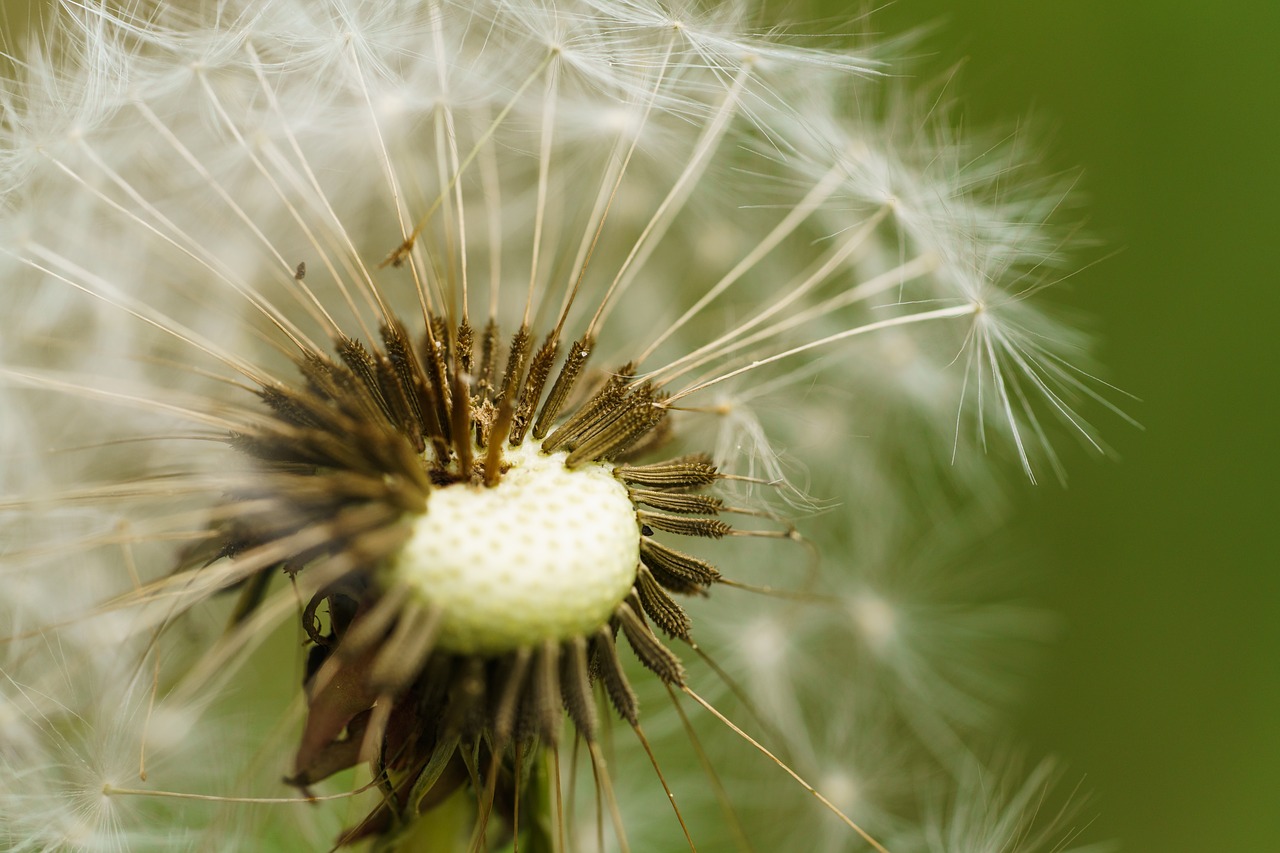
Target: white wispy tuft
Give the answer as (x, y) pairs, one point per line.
(839, 293)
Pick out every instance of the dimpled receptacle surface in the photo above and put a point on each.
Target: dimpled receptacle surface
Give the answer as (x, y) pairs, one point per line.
(546, 554)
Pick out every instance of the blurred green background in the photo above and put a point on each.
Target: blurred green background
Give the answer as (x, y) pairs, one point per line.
(1163, 694)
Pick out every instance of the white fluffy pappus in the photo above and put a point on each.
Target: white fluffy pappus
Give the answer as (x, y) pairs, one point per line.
(195, 201)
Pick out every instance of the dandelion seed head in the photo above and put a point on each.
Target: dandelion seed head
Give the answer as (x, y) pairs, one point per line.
(63, 758)
(475, 341)
(545, 555)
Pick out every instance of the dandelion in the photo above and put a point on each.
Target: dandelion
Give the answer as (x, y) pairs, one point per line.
(491, 346)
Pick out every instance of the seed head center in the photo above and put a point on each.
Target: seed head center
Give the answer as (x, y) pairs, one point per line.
(546, 554)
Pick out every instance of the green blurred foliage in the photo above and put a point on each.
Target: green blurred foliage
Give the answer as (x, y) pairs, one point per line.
(1164, 693)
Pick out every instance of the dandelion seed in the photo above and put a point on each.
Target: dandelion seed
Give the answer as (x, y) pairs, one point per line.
(440, 331)
(1007, 811)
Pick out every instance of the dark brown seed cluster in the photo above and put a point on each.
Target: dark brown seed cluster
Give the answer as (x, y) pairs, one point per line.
(348, 458)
